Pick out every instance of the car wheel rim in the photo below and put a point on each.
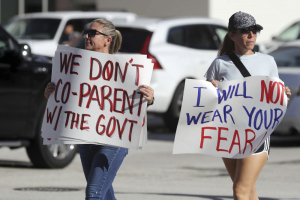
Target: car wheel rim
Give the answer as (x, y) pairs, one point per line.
(60, 151)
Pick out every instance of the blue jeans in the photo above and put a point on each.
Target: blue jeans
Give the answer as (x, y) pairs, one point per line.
(100, 165)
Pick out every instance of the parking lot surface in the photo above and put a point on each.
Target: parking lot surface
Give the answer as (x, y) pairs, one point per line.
(153, 173)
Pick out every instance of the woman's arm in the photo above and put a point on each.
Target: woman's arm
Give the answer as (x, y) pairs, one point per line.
(148, 93)
(49, 89)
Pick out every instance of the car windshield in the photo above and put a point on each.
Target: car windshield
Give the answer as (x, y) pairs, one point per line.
(287, 57)
(291, 33)
(38, 29)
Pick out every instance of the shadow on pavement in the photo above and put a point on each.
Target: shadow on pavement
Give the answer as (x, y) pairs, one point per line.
(212, 197)
(15, 164)
(158, 131)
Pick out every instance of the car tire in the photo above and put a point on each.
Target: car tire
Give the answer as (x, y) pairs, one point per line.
(49, 156)
(171, 117)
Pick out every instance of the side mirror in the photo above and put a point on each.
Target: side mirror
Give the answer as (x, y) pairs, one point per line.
(25, 52)
(274, 38)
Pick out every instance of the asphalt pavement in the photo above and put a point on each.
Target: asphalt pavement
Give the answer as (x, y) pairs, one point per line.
(154, 173)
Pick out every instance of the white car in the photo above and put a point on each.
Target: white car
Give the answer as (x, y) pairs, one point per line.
(290, 34)
(180, 48)
(44, 31)
(287, 58)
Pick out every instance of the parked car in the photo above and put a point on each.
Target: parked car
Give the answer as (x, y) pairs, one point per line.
(180, 48)
(287, 58)
(23, 79)
(291, 33)
(44, 31)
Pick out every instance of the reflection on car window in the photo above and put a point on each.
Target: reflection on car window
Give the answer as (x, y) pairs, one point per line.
(221, 32)
(133, 39)
(200, 37)
(177, 36)
(291, 33)
(39, 29)
(285, 57)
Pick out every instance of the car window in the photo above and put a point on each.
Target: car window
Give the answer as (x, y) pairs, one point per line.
(291, 33)
(200, 37)
(39, 29)
(285, 57)
(177, 35)
(72, 30)
(220, 32)
(133, 39)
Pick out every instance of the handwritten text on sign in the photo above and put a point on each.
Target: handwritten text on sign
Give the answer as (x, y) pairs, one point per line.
(96, 97)
(230, 121)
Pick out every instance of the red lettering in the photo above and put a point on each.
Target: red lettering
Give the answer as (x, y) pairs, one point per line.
(264, 91)
(76, 121)
(56, 88)
(67, 84)
(125, 97)
(74, 63)
(109, 134)
(117, 99)
(221, 138)
(131, 127)
(64, 64)
(118, 68)
(94, 89)
(247, 141)
(81, 95)
(272, 91)
(68, 115)
(140, 103)
(282, 94)
(138, 73)
(260, 142)
(91, 69)
(236, 135)
(103, 97)
(98, 123)
(121, 130)
(202, 135)
(109, 73)
(50, 116)
(83, 121)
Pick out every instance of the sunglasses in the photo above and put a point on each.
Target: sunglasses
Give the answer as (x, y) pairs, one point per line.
(247, 30)
(91, 33)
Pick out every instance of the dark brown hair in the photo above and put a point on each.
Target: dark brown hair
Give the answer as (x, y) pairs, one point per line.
(227, 46)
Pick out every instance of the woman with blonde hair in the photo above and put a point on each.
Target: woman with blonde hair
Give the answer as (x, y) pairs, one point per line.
(101, 163)
(237, 60)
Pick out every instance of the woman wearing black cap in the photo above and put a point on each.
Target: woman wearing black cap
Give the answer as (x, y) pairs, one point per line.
(238, 45)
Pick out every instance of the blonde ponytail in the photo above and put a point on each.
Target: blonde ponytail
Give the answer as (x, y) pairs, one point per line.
(110, 30)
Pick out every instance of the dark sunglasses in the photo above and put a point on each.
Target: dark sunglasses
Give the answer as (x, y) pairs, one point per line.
(91, 33)
(247, 30)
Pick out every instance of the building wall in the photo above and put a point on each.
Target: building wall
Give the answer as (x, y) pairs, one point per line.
(273, 15)
(156, 8)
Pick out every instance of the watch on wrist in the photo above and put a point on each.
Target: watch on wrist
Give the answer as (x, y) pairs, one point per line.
(149, 104)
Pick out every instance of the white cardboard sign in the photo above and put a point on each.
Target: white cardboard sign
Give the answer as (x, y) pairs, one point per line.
(97, 99)
(232, 120)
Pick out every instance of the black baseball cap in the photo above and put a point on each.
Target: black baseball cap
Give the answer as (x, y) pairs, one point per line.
(242, 20)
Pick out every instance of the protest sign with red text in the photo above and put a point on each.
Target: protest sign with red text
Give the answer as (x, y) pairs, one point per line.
(232, 120)
(97, 99)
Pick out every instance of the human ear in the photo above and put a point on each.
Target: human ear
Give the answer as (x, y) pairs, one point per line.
(108, 40)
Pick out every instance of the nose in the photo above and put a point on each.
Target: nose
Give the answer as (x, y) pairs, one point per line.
(86, 36)
(251, 34)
